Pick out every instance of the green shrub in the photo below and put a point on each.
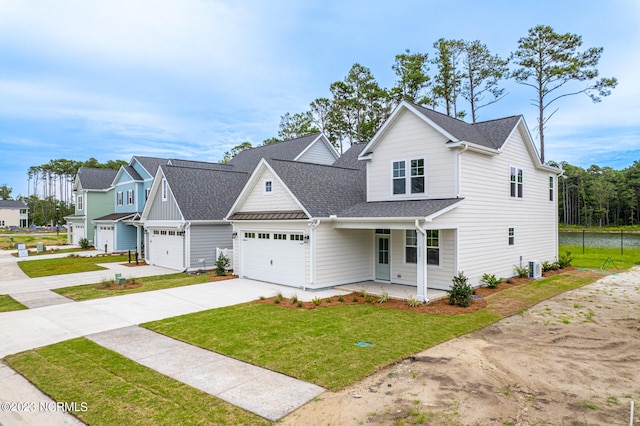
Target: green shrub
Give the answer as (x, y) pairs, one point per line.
(521, 272)
(84, 243)
(383, 297)
(316, 301)
(490, 280)
(413, 302)
(340, 299)
(549, 266)
(460, 293)
(294, 300)
(565, 260)
(222, 263)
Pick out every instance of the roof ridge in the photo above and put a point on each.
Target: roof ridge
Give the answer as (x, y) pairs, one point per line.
(331, 166)
(202, 168)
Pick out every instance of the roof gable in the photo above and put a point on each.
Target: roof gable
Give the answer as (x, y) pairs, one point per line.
(149, 164)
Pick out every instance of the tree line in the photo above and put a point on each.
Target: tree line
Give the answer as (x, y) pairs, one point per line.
(466, 78)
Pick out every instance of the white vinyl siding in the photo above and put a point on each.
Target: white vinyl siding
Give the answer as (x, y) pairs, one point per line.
(278, 199)
(408, 139)
(317, 153)
(488, 210)
(343, 255)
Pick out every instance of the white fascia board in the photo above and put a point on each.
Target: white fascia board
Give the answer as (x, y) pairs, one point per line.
(208, 222)
(444, 210)
(480, 149)
(152, 194)
(163, 223)
(320, 139)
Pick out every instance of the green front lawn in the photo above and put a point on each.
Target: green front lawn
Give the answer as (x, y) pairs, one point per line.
(118, 391)
(318, 345)
(31, 241)
(595, 257)
(158, 282)
(66, 265)
(8, 303)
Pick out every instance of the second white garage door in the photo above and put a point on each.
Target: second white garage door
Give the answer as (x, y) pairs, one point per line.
(104, 238)
(166, 248)
(273, 257)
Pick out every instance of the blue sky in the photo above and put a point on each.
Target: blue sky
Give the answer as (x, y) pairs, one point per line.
(191, 79)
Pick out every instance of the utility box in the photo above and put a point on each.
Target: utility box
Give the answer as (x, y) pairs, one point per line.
(40, 247)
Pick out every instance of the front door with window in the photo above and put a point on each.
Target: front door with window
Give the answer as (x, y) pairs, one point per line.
(383, 269)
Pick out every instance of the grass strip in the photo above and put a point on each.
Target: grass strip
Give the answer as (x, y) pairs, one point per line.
(157, 282)
(118, 391)
(595, 257)
(8, 303)
(66, 265)
(318, 345)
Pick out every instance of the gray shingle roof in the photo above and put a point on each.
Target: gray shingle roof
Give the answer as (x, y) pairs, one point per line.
(116, 216)
(322, 190)
(350, 158)
(248, 159)
(96, 178)
(492, 134)
(204, 194)
(150, 164)
(133, 173)
(12, 204)
(200, 164)
(406, 208)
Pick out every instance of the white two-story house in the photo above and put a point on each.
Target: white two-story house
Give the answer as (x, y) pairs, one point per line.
(428, 197)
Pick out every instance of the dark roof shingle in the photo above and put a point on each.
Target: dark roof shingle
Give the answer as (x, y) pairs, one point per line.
(248, 159)
(405, 208)
(98, 179)
(12, 204)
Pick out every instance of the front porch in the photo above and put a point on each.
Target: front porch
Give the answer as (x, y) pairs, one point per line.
(395, 291)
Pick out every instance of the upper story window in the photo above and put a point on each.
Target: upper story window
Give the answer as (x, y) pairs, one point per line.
(268, 187)
(23, 211)
(416, 176)
(146, 193)
(550, 188)
(119, 198)
(130, 196)
(164, 190)
(516, 182)
(80, 204)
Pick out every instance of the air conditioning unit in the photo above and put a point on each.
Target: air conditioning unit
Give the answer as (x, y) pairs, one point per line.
(535, 269)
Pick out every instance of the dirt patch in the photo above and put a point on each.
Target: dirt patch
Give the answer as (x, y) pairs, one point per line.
(570, 360)
(222, 277)
(114, 286)
(134, 265)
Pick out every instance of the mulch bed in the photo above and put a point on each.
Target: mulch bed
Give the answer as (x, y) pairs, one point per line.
(119, 287)
(222, 277)
(438, 307)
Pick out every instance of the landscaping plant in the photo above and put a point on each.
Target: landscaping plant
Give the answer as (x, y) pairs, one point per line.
(490, 280)
(460, 293)
(222, 263)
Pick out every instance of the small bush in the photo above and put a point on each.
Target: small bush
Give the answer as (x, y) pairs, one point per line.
(316, 301)
(565, 260)
(549, 266)
(222, 263)
(368, 298)
(383, 297)
(355, 298)
(413, 302)
(363, 292)
(84, 243)
(340, 299)
(294, 300)
(299, 304)
(521, 272)
(460, 293)
(490, 280)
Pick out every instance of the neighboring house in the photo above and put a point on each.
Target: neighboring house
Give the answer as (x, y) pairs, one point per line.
(184, 216)
(439, 196)
(121, 229)
(93, 197)
(13, 213)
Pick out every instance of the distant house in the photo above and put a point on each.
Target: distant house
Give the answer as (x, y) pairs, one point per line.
(428, 197)
(184, 218)
(93, 198)
(13, 213)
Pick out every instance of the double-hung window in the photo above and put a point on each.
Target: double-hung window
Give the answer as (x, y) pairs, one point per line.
(550, 188)
(411, 246)
(516, 182)
(80, 202)
(119, 196)
(415, 177)
(512, 236)
(130, 196)
(268, 187)
(433, 247)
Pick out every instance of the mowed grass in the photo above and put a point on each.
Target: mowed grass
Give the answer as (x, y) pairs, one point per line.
(158, 282)
(32, 241)
(595, 257)
(118, 391)
(8, 303)
(66, 265)
(318, 345)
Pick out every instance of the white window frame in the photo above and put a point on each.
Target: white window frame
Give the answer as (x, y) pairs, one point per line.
(430, 246)
(418, 176)
(511, 233)
(80, 202)
(516, 182)
(146, 193)
(119, 198)
(130, 197)
(165, 189)
(410, 236)
(403, 170)
(551, 188)
(400, 177)
(268, 187)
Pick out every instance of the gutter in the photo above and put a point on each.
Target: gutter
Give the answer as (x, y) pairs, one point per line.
(187, 247)
(422, 278)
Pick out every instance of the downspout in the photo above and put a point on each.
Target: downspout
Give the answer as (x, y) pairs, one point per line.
(187, 251)
(312, 262)
(422, 258)
(459, 169)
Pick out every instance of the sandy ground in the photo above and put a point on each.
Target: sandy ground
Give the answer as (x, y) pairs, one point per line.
(570, 360)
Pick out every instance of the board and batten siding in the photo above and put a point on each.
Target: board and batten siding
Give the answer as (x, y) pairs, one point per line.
(271, 227)
(279, 199)
(489, 211)
(97, 204)
(342, 255)
(203, 241)
(318, 153)
(164, 210)
(408, 139)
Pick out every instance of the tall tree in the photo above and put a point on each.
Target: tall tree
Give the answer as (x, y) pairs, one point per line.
(481, 76)
(234, 151)
(413, 81)
(448, 80)
(296, 125)
(548, 61)
(5, 192)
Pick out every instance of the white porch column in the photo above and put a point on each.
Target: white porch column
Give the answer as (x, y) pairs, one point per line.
(138, 245)
(422, 264)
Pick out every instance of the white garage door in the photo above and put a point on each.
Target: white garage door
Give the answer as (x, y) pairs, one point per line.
(105, 237)
(166, 248)
(273, 257)
(78, 234)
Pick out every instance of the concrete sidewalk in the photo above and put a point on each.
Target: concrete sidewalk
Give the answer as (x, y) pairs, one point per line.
(258, 390)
